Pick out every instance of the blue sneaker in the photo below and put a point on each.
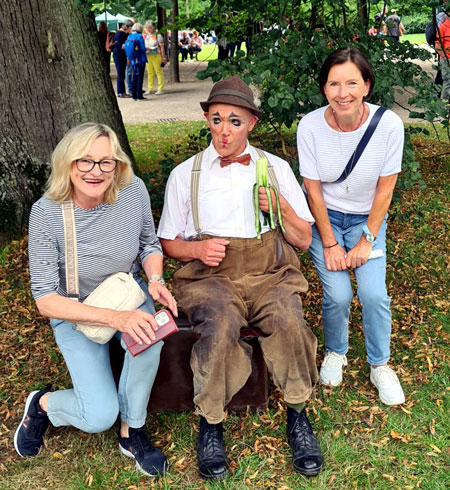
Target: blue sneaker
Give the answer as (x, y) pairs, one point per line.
(149, 459)
(28, 437)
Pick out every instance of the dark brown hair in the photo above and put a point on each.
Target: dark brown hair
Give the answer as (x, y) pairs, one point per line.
(342, 55)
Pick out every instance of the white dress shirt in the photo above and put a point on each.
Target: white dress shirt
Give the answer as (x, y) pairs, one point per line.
(226, 197)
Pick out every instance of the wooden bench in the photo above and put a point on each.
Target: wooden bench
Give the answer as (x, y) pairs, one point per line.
(173, 388)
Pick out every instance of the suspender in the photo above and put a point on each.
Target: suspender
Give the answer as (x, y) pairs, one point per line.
(195, 185)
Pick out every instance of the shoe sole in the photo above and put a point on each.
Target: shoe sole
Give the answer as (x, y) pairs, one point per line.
(139, 467)
(309, 473)
(25, 412)
(208, 476)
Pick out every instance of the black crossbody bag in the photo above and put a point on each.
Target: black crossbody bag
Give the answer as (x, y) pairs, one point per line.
(361, 145)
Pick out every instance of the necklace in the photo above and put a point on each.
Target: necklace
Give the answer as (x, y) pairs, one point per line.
(347, 190)
(358, 126)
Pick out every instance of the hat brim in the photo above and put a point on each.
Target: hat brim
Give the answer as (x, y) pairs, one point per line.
(230, 100)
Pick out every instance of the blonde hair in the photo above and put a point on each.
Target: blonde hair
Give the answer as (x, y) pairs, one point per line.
(76, 144)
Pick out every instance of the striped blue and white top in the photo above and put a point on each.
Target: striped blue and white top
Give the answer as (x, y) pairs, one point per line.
(110, 237)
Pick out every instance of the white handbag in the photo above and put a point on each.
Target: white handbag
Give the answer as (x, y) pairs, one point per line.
(120, 291)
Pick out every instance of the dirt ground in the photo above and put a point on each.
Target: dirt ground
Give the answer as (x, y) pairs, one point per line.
(180, 101)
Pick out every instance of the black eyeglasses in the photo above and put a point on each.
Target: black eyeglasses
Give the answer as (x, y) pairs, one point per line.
(86, 164)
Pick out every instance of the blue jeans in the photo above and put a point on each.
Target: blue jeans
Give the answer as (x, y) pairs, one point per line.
(129, 71)
(121, 63)
(94, 402)
(338, 293)
(138, 80)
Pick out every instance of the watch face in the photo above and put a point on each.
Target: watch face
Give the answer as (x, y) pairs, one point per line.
(369, 237)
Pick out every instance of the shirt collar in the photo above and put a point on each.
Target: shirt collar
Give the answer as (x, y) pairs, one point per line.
(214, 157)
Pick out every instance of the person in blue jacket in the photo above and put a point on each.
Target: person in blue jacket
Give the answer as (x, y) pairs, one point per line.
(135, 51)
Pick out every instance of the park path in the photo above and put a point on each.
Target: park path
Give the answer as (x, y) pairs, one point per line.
(181, 101)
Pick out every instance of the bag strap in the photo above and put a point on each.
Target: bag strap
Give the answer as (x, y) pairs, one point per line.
(196, 171)
(70, 240)
(361, 145)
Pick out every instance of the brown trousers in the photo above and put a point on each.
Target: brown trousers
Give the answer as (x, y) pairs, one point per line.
(257, 283)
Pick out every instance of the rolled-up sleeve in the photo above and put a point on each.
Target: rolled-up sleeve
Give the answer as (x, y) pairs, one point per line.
(174, 217)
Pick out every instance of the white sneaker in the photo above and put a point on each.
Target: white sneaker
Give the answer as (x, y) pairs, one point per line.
(159, 92)
(389, 387)
(331, 369)
(149, 92)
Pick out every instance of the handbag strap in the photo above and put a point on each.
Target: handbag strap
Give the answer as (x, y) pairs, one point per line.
(361, 145)
(70, 240)
(195, 186)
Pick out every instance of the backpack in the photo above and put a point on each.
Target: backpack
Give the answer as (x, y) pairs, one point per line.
(132, 48)
(430, 33)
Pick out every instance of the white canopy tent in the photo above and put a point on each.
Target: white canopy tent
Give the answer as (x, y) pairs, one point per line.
(113, 21)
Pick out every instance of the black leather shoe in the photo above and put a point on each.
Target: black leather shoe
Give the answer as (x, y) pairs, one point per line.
(308, 458)
(212, 460)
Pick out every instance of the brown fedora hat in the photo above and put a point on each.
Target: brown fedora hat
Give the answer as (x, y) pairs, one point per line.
(232, 91)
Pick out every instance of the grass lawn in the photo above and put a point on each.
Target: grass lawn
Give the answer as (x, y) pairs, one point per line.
(414, 38)
(209, 52)
(366, 444)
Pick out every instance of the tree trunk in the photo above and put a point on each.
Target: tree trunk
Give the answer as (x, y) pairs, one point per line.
(362, 11)
(54, 76)
(174, 68)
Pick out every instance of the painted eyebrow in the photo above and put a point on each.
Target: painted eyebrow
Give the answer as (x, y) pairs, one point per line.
(232, 114)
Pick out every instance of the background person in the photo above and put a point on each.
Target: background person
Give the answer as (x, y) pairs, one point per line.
(156, 57)
(183, 44)
(120, 58)
(442, 46)
(394, 26)
(351, 215)
(103, 34)
(195, 44)
(114, 226)
(137, 61)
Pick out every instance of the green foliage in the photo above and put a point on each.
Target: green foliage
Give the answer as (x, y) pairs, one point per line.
(286, 58)
(416, 24)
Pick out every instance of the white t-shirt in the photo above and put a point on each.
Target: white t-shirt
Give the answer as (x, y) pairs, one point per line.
(226, 197)
(324, 153)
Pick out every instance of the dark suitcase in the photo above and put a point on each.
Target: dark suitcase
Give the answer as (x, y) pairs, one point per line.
(173, 389)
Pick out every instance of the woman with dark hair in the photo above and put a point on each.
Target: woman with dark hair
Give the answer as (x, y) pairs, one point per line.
(349, 198)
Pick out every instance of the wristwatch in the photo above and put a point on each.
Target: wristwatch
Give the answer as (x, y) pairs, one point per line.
(157, 277)
(368, 235)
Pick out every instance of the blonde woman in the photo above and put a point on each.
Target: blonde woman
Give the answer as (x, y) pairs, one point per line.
(114, 226)
(195, 45)
(154, 46)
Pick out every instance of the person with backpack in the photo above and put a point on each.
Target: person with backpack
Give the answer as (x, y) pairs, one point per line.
(136, 57)
(442, 45)
(120, 58)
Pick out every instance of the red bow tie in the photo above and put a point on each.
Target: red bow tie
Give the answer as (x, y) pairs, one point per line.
(243, 159)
